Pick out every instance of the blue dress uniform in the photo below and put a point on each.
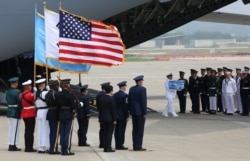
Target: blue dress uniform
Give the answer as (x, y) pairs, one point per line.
(53, 116)
(67, 105)
(203, 94)
(137, 103)
(245, 92)
(182, 94)
(83, 115)
(194, 91)
(122, 115)
(98, 105)
(13, 114)
(219, 100)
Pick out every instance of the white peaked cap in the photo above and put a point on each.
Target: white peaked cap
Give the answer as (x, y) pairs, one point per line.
(40, 80)
(169, 74)
(28, 82)
(228, 72)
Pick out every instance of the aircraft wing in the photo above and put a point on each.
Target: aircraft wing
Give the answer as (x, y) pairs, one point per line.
(229, 18)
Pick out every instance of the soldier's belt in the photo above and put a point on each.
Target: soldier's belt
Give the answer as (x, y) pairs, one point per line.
(65, 107)
(27, 108)
(12, 105)
(212, 87)
(245, 88)
(40, 108)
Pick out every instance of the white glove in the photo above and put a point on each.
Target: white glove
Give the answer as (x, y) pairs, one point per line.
(81, 103)
(47, 88)
(59, 89)
(34, 89)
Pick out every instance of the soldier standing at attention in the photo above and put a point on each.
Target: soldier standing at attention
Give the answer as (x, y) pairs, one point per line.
(67, 105)
(13, 113)
(122, 115)
(83, 115)
(108, 115)
(219, 101)
(29, 115)
(98, 105)
(194, 91)
(42, 123)
(245, 92)
(182, 94)
(237, 96)
(203, 94)
(137, 103)
(53, 116)
(213, 88)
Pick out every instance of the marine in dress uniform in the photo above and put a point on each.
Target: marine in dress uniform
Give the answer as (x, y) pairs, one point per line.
(122, 115)
(98, 105)
(245, 92)
(53, 116)
(137, 103)
(213, 89)
(29, 115)
(170, 96)
(13, 114)
(182, 94)
(67, 105)
(237, 97)
(228, 91)
(42, 123)
(108, 115)
(219, 101)
(203, 94)
(83, 115)
(194, 91)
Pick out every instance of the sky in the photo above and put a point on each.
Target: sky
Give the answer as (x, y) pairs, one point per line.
(237, 7)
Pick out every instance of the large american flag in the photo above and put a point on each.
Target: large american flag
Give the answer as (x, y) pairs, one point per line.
(88, 42)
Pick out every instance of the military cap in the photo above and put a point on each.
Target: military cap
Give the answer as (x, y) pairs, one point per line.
(219, 69)
(65, 81)
(224, 68)
(13, 79)
(193, 71)
(53, 82)
(105, 84)
(84, 87)
(123, 83)
(213, 70)
(203, 69)
(208, 68)
(245, 72)
(230, 70)
(169, 74)
(246, 68)
(238, 69)
(42, 80)
(181, 72)
(139, 78)
(28, 82)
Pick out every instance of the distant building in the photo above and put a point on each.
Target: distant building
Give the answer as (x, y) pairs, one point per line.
(211, 42)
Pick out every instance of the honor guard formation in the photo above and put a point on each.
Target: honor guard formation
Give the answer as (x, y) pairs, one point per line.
(55, 106)
(215, 90)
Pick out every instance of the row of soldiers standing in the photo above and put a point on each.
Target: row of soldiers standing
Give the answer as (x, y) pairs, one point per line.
(217, 91)
(54, 111)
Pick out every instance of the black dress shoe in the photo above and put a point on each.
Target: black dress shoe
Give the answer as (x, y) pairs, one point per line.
(86, 144)
(30, 150)
(230, 114)
(121, 148)
(16, 148)
(109, 150)
(141, 149)
(101, 146)
(70, 153)
(41, 151)
(237, 111)
(57, 152)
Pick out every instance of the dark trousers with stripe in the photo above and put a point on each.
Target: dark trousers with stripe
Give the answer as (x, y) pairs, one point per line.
(108, 129)
(245, 104)
(101, 138)
(182, 102)
(138, 122)
(53, 135)
(29, 132)
(66, 127)
(120, 129)
(83, 124)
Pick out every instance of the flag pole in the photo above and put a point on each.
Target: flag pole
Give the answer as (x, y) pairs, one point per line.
(80, 80)
(47, 73)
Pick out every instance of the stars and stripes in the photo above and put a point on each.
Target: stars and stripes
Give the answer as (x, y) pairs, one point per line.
(88, 42)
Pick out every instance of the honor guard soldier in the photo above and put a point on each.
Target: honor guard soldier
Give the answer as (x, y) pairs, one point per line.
(137, 104)
(203, 94)
(98, 105)
(194, 91)
(53, 116)
(237, 96)
(213, 89)
(29, 115)
(122, 115)
(219, 101)
(108, 115)
(182, 94)
(170, 96)
(42, 123)
(83, 115)
(228, 91)
(245, 92)
(67, 105)
(13, 113)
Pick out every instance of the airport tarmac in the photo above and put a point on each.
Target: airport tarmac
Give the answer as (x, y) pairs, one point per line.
(189, 137)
